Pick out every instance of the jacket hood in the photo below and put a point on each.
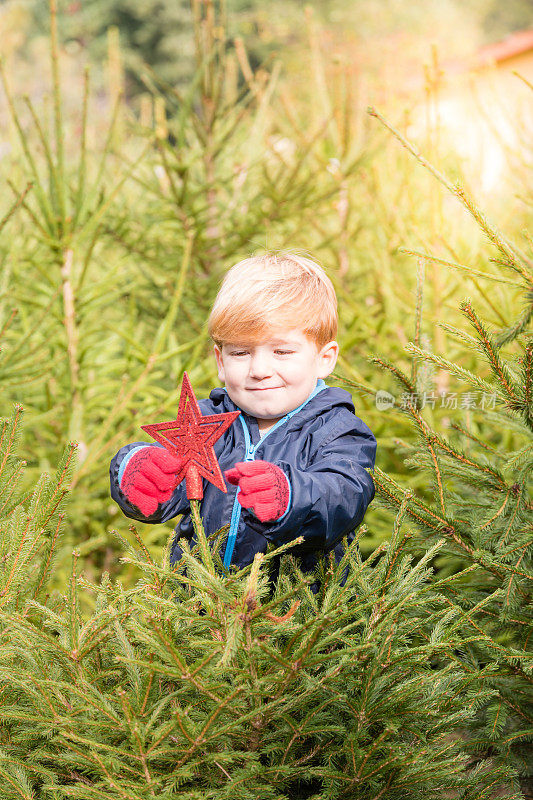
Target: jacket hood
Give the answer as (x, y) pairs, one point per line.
(328, 398)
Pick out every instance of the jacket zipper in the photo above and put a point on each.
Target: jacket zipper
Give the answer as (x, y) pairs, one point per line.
(237, 508)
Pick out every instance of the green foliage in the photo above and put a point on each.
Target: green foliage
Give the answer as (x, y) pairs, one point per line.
(481, 500)
(117, 251)
(153, 32)
(124, 249)
(29, 525)
(202, 685)
(402, 683)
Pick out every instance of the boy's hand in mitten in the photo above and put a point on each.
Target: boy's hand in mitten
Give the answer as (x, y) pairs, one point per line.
(264, 488)
(150, 478)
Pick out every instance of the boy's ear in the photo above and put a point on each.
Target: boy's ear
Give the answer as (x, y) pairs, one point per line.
(220, 365)
(329, 353)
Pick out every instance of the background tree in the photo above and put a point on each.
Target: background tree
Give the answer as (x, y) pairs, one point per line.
(481, 498)
(202, 686)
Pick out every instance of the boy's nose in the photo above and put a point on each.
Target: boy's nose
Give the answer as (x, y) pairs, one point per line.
(260, 366)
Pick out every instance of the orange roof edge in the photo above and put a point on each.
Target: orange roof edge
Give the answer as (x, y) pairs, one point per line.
(513, 45)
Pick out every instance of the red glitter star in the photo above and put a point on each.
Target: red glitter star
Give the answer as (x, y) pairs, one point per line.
(191, 436)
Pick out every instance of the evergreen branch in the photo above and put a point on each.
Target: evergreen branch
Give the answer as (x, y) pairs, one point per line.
(527, 374)
(16, 558)
(162, 669)
(23, 340)
(38, 540)
(78, 201)
(54, 178)
(47, 640)
(8, 322)
(277, 602)
(510, 333)
(429, 438)
(469, 435)
(11, 427)
(86, 261)
(63, 474)
(46, 562)
(460, 455)
(72, 334)
(39, 191)
(467, 376)
(498, 368)
(432, 437)
(11, 488)
(69, 688)
(118, 407)
(90, 634)
(93, 220)
(347, 381)
(126, 795)
(420, 276)
(499, 511)
(462, 336)
(170, 318)
(134, 731)
(395, 502)
(106, 149)
(439, 525)
(46, 238)
(511, 259)
(144, 549)
(398, 374)
(504, 537)
(15, 785)
(220, 732)
(124, 754)
(73, 608)
(19, 202)
(43, 772)
(178, 197)
(396, 545)
(468, 270)
(511, 579)
(54, 52)
(181, 665)
(501, 419)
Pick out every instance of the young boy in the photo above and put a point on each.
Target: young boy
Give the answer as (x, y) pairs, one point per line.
(295, 458)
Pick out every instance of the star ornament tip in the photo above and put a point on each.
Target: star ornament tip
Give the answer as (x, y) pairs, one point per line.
(191, 437)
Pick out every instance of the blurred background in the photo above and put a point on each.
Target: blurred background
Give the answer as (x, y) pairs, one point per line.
(209, 131)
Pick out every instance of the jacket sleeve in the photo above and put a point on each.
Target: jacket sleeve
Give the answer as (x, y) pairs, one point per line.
(329, 498)
(177, 504)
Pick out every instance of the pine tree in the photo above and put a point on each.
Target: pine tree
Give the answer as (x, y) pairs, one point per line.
(154, 32)
(481, 502)
(116, 255)
(204, 686)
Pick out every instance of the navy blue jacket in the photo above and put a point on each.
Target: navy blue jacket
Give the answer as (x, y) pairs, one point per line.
(324, 450)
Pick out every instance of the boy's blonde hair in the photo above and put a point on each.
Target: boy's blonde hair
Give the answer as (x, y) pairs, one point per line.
(266, 294)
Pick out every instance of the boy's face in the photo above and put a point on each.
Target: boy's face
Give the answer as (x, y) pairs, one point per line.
(270, 379)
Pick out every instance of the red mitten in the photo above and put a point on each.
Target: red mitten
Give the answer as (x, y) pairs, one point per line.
(150, 478)
(264, 488)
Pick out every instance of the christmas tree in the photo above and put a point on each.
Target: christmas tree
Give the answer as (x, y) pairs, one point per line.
(480, 487)
(121, 243)
(203, 686)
